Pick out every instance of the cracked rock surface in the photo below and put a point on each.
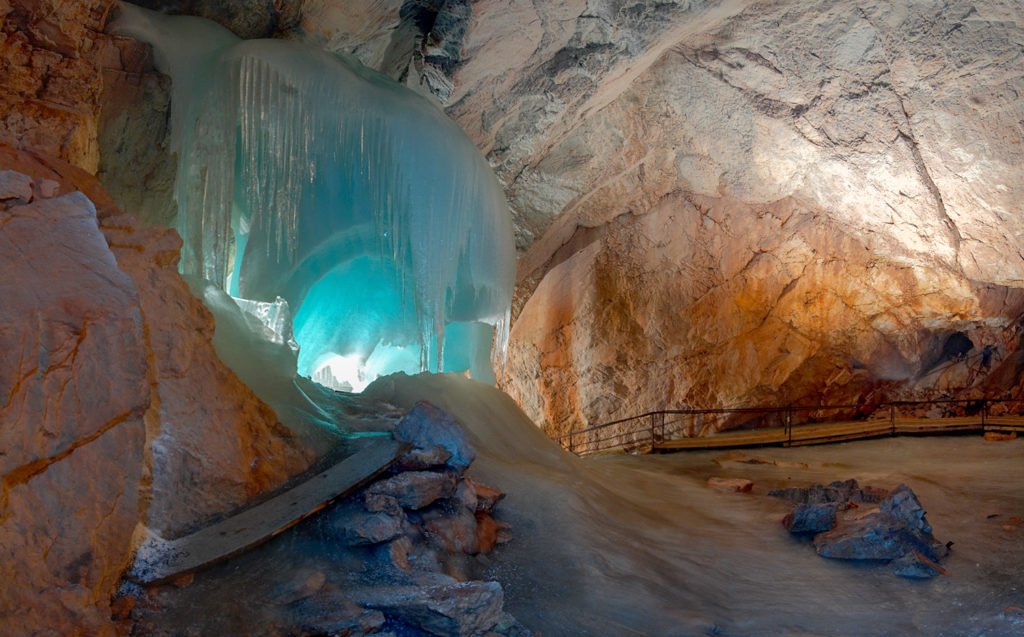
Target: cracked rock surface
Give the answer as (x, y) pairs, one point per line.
(114, 410)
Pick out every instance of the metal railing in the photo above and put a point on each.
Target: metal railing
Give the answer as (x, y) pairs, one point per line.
(643, 432)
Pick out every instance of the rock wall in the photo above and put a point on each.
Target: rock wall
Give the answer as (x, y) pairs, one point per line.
(116, 411)
(724, 202)
(50, 80)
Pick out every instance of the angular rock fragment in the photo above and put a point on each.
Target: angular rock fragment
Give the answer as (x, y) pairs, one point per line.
(415, 489)
(360, 528)
(449, 610)
(739, 485)
(427, 427)
(15, 187)
(811, 518)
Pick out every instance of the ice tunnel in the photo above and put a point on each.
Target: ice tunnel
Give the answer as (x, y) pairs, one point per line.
(306, 176)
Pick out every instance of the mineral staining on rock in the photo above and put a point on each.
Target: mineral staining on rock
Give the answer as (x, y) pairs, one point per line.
(303, 176)
(117, 413)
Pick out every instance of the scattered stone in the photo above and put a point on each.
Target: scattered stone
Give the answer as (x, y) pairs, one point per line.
(305, 583)
(427, 426)
(840, 491)
(465, 496)
(460, 609)
(490, 533)
(396, 553)
(431, 458)
(330, 612)
(381, 503)
(15, 186)
(903, 505)
(508, 626)
(896, 531)
(739, 485)
(415, 489)
(811, 518)
(916, 566)
(358, 528)
(48, 188)
(452, 533)
(486, 497)
(1000, 436)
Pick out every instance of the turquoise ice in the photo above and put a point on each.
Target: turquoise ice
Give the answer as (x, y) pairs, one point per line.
(306, 176)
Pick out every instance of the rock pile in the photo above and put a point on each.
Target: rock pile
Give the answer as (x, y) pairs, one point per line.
(895, 531)
(403, 556)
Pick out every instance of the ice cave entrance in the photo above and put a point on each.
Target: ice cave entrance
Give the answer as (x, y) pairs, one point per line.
(303, 175)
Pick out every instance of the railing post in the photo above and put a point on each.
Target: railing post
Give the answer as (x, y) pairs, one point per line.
(789, 426)
(984, 413)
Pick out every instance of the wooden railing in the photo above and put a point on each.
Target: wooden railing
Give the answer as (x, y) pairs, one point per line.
(676, 429)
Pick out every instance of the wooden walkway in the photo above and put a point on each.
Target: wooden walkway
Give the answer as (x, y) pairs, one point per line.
(825, 433)
(162, 560)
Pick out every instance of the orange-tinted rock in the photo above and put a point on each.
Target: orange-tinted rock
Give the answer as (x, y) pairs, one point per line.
(50, 80)
(1000, 436)
(73, 376)
(709, 302)
(116, 410)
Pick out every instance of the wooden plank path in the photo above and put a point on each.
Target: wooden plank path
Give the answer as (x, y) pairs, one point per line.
(824, 433)
(166, 560)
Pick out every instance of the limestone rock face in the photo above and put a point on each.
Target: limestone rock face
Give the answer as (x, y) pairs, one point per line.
(806, 197)
(50, 81)
(115, 411)
(789, 202)
(73, 377)
(705, 302)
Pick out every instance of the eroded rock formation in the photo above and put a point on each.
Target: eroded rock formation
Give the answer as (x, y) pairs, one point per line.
(116, 411)
(723, 203)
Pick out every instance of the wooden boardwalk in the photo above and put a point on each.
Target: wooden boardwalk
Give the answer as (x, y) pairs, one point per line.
(166, 560)
(816, 434)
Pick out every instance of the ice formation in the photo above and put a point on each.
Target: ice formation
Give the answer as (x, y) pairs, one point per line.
(304, 176)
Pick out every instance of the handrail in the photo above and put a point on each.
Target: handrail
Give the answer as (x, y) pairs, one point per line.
(655, 430)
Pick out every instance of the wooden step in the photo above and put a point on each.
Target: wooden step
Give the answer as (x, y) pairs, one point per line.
(256, 525)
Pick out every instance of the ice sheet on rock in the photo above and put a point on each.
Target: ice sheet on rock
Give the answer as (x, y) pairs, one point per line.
(360, 203)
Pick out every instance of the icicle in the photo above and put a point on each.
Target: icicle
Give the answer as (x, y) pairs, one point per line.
(303, 177)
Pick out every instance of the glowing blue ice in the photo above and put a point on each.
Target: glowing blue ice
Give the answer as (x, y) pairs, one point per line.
(304, 176)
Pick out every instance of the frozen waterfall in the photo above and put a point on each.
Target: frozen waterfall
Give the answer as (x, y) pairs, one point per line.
(307, 177)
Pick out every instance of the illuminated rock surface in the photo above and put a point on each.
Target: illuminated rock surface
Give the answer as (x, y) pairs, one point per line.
(117, 411)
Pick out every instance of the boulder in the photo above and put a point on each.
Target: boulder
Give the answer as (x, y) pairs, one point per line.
(359, 528)
(426, 427)
(449, 610)
(875, 536)
(486, 497)
(811, 518)
(415, 489)
(916, 566)
(738, 485)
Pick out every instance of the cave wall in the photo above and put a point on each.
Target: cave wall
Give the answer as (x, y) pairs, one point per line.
(887, 135)
(738, 202)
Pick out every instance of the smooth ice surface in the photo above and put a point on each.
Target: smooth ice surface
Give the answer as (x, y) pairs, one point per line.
(641, 546)
(305, 176)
